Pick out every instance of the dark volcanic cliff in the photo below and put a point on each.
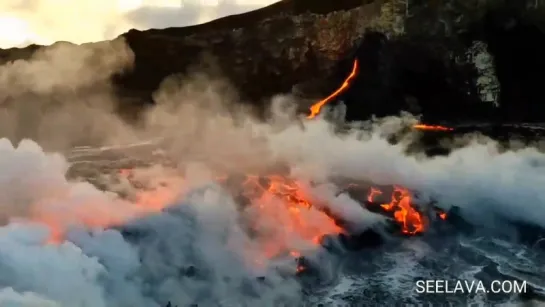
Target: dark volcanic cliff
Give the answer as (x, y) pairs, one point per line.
(263, 52)
(448, 60)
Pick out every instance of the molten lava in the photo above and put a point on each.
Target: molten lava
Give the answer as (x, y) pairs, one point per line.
(278, 213)
(283, 215)
(432, 128)
(276, 210)
(317, 107)
(411, 221)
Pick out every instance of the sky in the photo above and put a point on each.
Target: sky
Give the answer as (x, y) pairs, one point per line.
(23, 22)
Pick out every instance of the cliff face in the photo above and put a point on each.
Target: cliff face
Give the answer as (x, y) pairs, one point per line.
(263, 52)
(449, 60)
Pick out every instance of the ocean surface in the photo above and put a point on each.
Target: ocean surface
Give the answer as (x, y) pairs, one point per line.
(388, 275)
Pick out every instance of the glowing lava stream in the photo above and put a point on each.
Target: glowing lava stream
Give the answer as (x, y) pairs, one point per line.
(316, 108)
(411, 221)
(432, 127)
(282, 214)
(404, 212)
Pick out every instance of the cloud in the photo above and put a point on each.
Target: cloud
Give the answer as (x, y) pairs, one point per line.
(48, 21)
(189, 14)
(41, 95)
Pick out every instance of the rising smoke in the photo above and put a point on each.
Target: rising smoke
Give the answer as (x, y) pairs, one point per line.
(64, 242)
(40, 96)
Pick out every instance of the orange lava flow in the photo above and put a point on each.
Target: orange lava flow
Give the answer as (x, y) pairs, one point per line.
(411, 221)
(284, 217)
(277, 212)
(432, 128)
(99, 213)
(372, 194)
(317, 107)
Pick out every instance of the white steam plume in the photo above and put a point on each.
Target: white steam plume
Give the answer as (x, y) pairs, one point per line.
(40, 95)
(101, 268)
(478, 177)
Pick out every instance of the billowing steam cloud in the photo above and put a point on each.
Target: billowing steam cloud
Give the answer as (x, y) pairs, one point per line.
(478, 177)
(180, 236)
(48, 21)
(101, 268)
(40, 96)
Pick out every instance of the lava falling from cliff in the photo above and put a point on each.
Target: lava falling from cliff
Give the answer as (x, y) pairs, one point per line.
(281, 212)
(317, 107)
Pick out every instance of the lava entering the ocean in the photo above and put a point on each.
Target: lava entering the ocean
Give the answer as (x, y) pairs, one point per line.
(283, 215)
(410, 219)
(277, 209)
